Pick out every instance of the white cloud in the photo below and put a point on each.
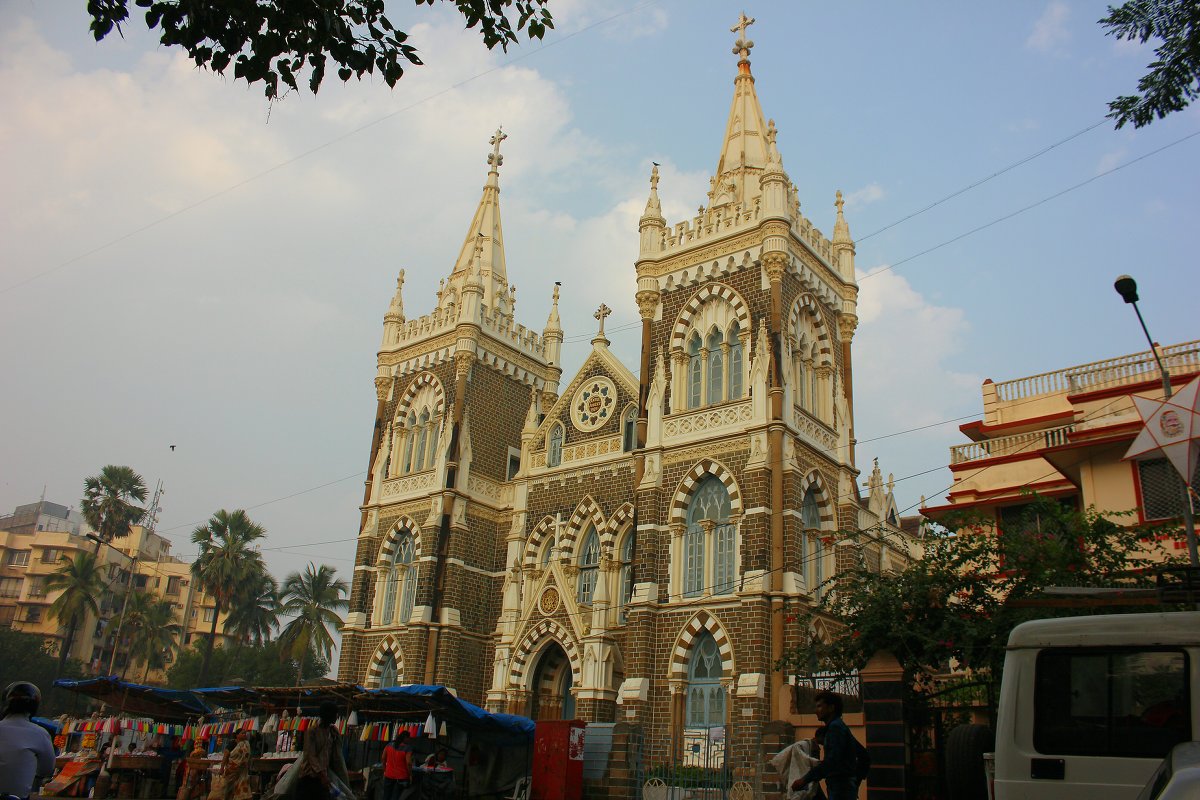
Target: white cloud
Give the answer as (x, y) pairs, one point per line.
(1110, 160)
(1050, 31)
(1024, 125)
(870, 193)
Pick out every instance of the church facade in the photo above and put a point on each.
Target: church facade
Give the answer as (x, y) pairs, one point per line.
(629, 545)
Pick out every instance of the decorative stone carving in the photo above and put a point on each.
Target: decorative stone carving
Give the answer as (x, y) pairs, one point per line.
(549, 602)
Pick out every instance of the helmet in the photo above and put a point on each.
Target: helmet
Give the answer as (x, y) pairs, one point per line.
(21, 697)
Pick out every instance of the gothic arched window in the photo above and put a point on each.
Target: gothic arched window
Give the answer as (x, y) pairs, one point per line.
(408, 577)
(387, 671)
(554, 448)
(695, 371)
(811, 548)
(716, 367)
(629, 429)
(409, 441)
(735, 361)
(626, 590)
(708, 518)
(705, 695)
(589, 567)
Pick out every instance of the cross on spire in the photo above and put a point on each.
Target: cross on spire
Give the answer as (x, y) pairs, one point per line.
(742, 46)
(494, 157)
(602, 314)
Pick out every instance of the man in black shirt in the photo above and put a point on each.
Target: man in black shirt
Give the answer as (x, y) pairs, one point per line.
(845, 761)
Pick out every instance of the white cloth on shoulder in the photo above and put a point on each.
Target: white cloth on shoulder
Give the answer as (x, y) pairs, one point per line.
(793, 763)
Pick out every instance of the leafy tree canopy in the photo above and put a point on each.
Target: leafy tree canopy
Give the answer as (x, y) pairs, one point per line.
(1173, 79)
(268, 665)
(29, 657)
(961, 600)
(279, 42)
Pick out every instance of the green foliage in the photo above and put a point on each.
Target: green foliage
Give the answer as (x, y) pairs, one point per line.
(81, 583)
(151, 630)
(279, 42)
(268, 665)
(227, 561)
(110, 500)
(29, 657)
(960, 600)
(1173, 79)
(313, 597)
(254, 611)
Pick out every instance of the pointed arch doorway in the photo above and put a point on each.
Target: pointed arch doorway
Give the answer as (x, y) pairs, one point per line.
(550, 693)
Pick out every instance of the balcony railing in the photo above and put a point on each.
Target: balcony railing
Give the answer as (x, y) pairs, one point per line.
(1179, 359)
(1017, 444)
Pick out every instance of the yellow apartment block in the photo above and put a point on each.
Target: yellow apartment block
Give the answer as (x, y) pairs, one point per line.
(37, 536)
(1065, 434)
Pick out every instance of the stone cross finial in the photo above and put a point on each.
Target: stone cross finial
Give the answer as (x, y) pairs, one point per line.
(839, 202)
(494, 157)
(602, 314)
(742, 46)
(400, 281)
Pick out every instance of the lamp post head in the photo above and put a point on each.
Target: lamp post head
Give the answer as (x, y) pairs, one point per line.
(1126, 286)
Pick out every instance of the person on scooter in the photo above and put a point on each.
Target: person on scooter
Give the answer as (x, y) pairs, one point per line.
(26, 751)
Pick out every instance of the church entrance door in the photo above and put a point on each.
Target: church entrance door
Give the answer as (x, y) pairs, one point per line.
(550, 695)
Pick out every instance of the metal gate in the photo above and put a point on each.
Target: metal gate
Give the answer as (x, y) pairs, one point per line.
(931, 717)
(698, 765)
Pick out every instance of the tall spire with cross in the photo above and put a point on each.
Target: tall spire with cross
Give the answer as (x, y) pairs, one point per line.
(485, 240)
(601, 314)
(748, 141)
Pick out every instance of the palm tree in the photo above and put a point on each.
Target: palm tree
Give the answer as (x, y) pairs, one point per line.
(253, 615)
(152, 629)
(226, 561)
(81, 582)
(313, 598)
(108, 503)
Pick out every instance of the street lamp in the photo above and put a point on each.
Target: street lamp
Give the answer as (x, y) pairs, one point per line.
(1126, 286)
(112, 660)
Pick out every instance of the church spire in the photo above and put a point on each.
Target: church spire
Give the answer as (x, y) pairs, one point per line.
(744, 152)
(485, 240)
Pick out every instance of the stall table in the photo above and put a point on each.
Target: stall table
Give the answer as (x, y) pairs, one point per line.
(129, 771)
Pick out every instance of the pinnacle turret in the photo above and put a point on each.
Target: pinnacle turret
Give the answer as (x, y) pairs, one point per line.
(484, 242)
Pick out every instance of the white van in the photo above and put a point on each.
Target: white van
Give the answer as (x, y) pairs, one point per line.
(1090, 706)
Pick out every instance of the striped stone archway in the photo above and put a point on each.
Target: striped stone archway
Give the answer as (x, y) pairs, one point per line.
(687, 486)
(375, 669)
(713, 292)
(806, 306)
(824, 499)
(390, 542)
(414, 388)
(532, 643)
(682, 653)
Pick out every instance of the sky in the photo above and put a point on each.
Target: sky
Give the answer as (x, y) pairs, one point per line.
(183, 263)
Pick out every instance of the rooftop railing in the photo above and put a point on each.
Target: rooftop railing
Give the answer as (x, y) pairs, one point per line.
(1134, 368)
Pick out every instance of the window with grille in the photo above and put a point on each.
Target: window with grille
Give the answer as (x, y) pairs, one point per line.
(33, 614)
(554, 448)
(17, 558)
(173, 585)
(37, 587)
(7, 615)
(709, 536)
(387, 672)
(1162, 488)
(50, 555)
(627, 548)
(10, 587)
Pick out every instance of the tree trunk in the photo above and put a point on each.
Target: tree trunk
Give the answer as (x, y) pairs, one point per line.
(212, 640)
(66, 645)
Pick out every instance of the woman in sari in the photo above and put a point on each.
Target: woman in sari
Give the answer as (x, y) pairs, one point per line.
(237, 772)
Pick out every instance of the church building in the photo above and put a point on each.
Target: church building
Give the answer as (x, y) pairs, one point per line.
(633, 543)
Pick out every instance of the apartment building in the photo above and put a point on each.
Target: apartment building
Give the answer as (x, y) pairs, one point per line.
(1065, 434)
(44, 533)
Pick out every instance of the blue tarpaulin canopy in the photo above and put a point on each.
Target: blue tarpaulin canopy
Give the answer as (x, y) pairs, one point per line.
(134, 698)
(443, 705)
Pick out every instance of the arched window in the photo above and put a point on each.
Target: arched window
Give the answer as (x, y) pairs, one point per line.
(431, 457)
(422, 441)
(695, 371)
(811, 548)
(554, 449)
(735, 361)
(708, 516)
(627, 548)
(400, 581)
(705, 695)
(589, 567)
(716, 368)
(408, 569)
(387, 671)
(409, 441)
(629, 429)
(547, 550)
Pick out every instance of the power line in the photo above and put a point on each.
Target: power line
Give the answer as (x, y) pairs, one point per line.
(982, 181)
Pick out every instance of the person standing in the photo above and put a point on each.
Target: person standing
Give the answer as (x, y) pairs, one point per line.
(322, 755)
(26, 750)
(845, 761)
(397, 766)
